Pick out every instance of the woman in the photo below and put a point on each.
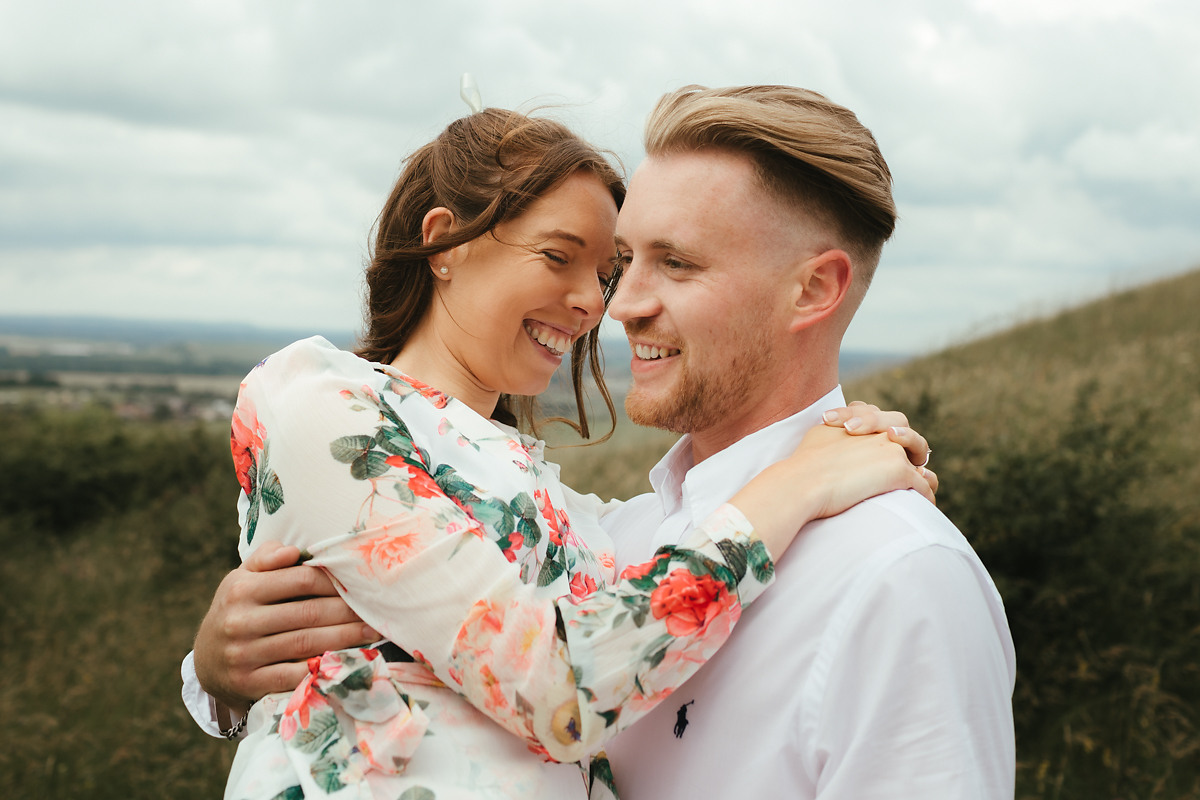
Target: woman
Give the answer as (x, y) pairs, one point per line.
(444, 527)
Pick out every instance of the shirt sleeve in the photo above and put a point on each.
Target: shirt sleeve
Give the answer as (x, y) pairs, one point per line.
(919, 695)
(198, 702)
(565, 673)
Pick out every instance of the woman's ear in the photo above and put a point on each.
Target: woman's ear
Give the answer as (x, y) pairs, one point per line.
(437, 223)
(821, 285)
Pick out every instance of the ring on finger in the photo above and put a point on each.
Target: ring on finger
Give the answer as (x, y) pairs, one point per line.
(925, 463)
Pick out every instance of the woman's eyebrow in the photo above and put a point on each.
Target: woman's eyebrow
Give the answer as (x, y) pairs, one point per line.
(559, 233)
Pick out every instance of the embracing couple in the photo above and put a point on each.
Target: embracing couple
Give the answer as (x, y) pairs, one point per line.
(519, 631)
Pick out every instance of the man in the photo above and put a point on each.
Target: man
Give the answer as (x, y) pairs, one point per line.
(880, 664)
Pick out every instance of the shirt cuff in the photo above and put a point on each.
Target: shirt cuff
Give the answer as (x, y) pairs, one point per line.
(199, 703)
(730, 538)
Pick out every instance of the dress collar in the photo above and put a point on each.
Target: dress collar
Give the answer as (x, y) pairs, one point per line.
(703, 487)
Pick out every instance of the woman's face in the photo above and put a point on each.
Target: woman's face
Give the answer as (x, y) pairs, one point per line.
(514, 301)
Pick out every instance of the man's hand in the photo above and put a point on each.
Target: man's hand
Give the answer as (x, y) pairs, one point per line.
(267, 618)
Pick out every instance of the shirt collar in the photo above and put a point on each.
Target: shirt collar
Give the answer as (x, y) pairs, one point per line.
(705, 486)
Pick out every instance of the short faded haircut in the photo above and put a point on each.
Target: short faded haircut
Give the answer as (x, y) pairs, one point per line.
(811, 153)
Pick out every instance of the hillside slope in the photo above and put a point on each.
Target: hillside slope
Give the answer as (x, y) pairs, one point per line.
(1132, 358)
(1068, 452)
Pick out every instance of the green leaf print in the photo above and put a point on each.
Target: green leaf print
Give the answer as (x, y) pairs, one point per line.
(369, 465)
(639, 606)
(327, 772)
(525, 510)
(550, 572)
(600, 770)
(418, 793)
(454, 486)
(252, 516)
(405, 494)
(349, 449)
(523, 506)
(359, 680)
(290, 793)
(647, 582)
(699, 564)
(385, 407)
(760, 562)
(735, 557)
(494, 514)
(656, 651)
(322, 725)
(610, 719)
(272, 491)
(530, 531)
(398, 442)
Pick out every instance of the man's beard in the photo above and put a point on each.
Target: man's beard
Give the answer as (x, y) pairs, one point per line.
(700, 401)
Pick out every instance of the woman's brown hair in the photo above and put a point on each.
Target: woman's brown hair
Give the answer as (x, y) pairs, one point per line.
(486, 168)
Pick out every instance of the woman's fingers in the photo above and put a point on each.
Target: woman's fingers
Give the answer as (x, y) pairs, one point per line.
(918, 452)
(859, 418)
(913, 443)
(932, 478)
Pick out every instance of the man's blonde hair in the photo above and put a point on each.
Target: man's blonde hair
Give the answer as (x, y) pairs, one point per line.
(812, 154)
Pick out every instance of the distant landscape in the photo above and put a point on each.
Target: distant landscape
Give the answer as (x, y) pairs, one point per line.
(191, 370)
(1067, 449)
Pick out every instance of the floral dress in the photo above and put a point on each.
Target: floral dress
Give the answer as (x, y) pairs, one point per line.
(523, 650)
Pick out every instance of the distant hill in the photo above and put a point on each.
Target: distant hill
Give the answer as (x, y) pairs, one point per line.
(150, 333)
(1134, 354)
(99, 344)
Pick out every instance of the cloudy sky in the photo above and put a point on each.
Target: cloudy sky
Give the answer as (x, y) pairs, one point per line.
(222, 161)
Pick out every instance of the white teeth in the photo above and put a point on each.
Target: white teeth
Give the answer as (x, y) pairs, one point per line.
(552, 340)
(650, 353)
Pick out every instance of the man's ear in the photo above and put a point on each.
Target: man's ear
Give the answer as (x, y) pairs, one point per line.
(821, 286)
(437, 223)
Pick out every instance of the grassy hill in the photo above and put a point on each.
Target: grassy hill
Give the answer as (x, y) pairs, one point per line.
(1067, 450)
(1132, 360)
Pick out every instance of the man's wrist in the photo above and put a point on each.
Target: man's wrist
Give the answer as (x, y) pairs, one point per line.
(231, 723)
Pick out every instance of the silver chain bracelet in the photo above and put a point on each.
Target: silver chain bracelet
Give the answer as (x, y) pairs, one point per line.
(236, 731)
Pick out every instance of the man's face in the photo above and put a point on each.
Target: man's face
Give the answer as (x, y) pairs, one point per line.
(703, 295)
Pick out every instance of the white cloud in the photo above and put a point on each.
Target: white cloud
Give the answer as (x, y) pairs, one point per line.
(216, 159)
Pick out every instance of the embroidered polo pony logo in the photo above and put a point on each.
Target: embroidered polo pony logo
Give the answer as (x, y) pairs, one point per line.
(681, 720)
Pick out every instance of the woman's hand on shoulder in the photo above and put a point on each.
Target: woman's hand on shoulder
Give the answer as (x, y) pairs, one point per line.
(859, 418)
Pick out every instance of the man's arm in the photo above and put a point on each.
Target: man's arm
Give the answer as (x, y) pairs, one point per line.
(919, 696)
(267, 618)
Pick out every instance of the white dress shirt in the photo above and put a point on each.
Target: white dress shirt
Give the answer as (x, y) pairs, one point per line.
(879, 664)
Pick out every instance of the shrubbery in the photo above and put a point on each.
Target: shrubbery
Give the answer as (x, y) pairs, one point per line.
(1102, 601)
(60, 470)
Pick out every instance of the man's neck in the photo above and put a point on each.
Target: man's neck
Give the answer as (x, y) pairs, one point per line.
(785, 402)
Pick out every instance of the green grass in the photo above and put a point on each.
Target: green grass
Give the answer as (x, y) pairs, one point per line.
(1067, 450)
(96, 616)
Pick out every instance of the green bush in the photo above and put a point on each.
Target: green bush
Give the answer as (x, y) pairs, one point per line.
(60, 470)
(1100, 594)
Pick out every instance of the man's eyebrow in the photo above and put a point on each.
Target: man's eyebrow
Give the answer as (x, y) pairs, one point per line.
(657, 244)
(559, 233)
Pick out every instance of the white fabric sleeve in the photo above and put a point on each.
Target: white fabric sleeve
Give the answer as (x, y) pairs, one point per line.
(199, 703)
(919, 695)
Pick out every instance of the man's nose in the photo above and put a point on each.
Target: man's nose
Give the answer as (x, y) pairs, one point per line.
(634, 297)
